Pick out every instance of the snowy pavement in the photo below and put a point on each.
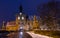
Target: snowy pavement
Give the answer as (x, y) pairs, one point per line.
(38, 35)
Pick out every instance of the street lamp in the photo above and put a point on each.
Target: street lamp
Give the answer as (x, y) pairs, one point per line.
(20, 13)
(21, 18)
(18, 18)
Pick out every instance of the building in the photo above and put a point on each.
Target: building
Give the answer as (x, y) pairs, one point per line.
(18, 23)
(11, 26)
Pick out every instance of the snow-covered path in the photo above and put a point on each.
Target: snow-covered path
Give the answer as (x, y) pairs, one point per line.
(38, 35)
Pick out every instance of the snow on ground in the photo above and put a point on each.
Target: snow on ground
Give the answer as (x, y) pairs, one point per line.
(38, 35)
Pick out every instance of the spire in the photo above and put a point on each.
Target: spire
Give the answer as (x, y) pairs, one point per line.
(21, 8)
(3, 27)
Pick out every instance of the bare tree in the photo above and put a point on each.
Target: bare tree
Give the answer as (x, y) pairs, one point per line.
(47, 13)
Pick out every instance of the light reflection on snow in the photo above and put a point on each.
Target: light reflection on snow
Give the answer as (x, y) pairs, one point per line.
(20, 34)
(38, 35)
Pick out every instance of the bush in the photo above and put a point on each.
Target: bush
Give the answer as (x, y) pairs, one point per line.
(48, 33)
(56, 33)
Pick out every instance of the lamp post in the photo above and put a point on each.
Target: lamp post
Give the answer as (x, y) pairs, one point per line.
(21, 29)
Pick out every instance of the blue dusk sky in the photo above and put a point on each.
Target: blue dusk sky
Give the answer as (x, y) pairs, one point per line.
(9, 8)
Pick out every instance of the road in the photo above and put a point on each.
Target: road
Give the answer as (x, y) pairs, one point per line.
(38, 35)
(26, 35)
